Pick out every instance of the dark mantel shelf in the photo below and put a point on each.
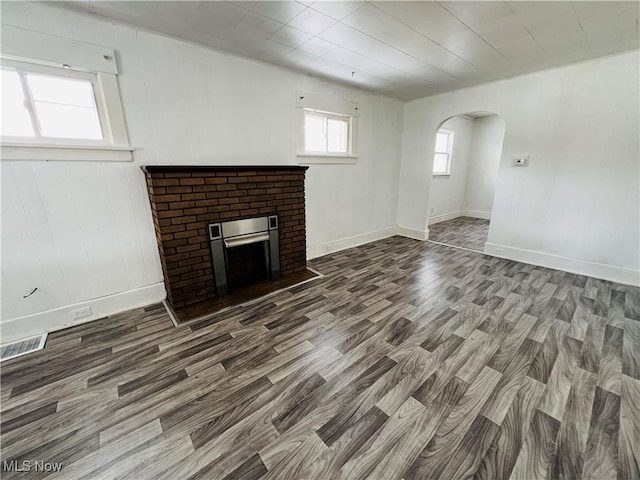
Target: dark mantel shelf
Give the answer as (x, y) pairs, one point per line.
(208, 168)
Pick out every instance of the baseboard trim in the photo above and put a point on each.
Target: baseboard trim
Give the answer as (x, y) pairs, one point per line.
(611, 273)
(459, 213)
(59, 318)
(414, 234)
(349, 242)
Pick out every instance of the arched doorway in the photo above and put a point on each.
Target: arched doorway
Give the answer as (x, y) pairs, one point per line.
(466, 160)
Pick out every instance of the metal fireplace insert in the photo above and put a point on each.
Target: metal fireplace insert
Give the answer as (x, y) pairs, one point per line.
(226, 235)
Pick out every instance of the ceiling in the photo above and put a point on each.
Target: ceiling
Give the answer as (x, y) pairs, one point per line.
(404, 49)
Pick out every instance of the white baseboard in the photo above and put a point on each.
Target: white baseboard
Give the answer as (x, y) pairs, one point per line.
(612, 273)
(415, 234)
(349, 242)
(476, 214)
(459, 213)
(59, 318)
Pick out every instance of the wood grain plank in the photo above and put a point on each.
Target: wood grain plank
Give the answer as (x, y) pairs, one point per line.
(503, 453)
(629, 445)
(610, 372)
(568, 459)
(435, 457)
(535, 458)
(601, 457)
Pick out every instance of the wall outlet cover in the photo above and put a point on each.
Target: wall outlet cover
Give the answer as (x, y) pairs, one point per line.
(82, 312)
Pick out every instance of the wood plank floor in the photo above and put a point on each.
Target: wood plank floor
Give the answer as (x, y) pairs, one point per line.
(407, 360)
(464, 232)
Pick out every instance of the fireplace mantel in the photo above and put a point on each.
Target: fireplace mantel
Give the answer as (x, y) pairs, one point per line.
(206, 168)
(185, 199)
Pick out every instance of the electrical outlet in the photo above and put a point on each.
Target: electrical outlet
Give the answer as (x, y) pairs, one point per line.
(498, 250)
(81, 312)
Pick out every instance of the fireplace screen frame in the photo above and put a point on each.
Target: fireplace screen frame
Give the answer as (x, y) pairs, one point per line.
(235, 233)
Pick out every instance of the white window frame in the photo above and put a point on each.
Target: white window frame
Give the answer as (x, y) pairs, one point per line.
(330, 116)
(448, 153)
(23, 68)
(39, 53)
(329, 108)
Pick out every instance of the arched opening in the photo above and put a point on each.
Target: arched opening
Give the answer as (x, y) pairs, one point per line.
(466, 160)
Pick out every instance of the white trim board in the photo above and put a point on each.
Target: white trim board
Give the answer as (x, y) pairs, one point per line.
(52, 50)
(612, 273)
(459, 213)
(414, 234)
(59, 318)
(349, 242)
(65, 153)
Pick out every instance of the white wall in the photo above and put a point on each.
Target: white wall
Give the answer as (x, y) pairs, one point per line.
(576, 206)
(485, 153)
(448, 192)
(81, 231)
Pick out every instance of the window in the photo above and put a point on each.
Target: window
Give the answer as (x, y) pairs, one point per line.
(327, 129)
(60, 100)
(327, 133)
(49, 105)
(442, 158)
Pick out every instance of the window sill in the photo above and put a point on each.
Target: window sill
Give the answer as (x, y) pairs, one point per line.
(441, 175)
(95, 153)
(309, 158)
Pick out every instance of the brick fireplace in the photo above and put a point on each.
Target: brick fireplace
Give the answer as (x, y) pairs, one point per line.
(186, 199)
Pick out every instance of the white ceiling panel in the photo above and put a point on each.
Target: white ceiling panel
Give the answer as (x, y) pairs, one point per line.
(291, 37)
(524, 52)
(555, 27)
(312, 21)
(595, 10)
(171, 18)
(565, 46)
(318, 46)
(247, 4)
(366, 19)
(501, 31)
(282, 12)
(531, 12)
(274, 52)
(373, 48)
(129, 12)
(336, 10)
(426, 18)
(215, 16)
(405, 49)
(255, 24)
(340, 33)
(474, 13)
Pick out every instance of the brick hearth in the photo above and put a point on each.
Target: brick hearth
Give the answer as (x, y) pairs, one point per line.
(185, 199)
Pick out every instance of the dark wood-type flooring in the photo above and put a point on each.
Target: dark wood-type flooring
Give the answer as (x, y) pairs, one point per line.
(240, 296)
(464, 232)
(407, 360)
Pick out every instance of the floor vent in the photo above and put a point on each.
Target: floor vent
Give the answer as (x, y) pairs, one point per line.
(13, 350)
